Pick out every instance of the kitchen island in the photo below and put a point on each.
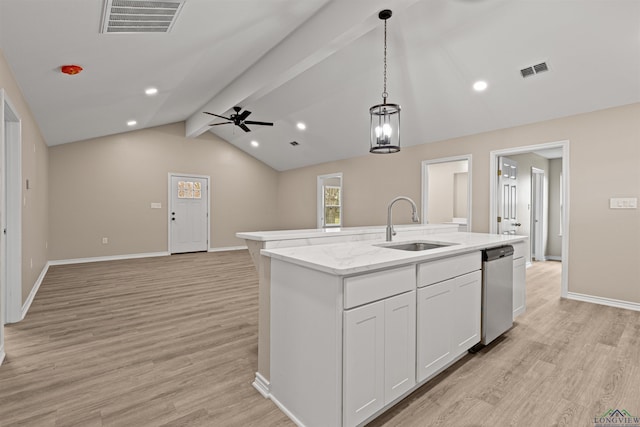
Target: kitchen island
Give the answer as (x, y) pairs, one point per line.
(258, 240)
(357, 326)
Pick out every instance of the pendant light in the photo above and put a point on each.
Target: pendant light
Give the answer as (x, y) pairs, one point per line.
(385, 118)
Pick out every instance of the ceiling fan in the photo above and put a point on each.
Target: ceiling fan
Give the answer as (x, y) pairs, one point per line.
(238, 119)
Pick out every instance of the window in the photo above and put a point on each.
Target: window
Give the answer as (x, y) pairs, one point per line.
(332, 205)
(329, 211)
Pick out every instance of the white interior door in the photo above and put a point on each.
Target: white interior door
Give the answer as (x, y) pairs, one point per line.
(189, 214)
(507, 196)
(537, 214)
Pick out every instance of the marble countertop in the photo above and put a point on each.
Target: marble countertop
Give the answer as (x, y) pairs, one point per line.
(350, 258)
(333, 231)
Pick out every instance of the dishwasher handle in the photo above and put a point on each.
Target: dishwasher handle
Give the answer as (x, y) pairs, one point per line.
(492, 254)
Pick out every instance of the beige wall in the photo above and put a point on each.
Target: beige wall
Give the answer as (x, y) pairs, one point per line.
(35, 200)
(104, 188)
(604, 163)
(554, 240)
(441, 191)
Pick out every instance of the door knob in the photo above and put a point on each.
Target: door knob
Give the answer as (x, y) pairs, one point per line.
(517, 224)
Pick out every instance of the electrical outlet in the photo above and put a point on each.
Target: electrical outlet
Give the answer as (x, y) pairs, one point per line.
(623, 203)
(105, 240)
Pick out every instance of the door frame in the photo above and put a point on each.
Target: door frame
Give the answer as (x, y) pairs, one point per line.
(493, 208)
(170, 206)
(425, 184)
(11, 275)
(537, 210)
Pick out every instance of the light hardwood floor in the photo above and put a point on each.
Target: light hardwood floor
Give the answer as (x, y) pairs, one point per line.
(172, 341)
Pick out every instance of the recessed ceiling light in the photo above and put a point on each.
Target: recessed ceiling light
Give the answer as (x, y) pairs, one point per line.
(480, 85)
(255, 143)
(301, 126)
(151, 91)
(132, 123)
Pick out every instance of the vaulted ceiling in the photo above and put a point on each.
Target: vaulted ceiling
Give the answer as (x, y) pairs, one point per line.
(320, 62)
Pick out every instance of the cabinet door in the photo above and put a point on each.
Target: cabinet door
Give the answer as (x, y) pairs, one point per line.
(363, 370)
(467, 291)
(400, 345)
(519, 287)
(434, 328)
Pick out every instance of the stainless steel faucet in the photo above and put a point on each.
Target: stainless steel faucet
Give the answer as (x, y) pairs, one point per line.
(414, 216)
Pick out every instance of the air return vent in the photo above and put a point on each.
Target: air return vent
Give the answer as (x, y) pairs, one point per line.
(534, 69)
(134, 16)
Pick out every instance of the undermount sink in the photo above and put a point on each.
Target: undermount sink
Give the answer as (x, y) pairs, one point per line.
(416, 246)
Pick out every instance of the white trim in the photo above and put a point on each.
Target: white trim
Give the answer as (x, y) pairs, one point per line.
(287, 412)
(538, 207)
(425, 184)
(604, 301)
(34, 291)
(493, 182)
(13, 209)
(320, 199)
(2, 354)
(262, 385)
(169, 206)
(107, 258)
(228, 248)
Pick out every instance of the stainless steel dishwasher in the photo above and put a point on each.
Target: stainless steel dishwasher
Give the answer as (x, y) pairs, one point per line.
(497, 292)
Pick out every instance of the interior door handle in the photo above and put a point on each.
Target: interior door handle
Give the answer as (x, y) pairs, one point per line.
(517, 224)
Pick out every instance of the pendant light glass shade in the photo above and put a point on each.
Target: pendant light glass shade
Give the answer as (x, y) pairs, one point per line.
(385, 117)
(385, 128)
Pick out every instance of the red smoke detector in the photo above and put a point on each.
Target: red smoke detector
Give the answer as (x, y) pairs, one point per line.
(71, 69)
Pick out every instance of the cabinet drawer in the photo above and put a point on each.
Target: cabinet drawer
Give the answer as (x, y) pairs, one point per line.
(442, 269)
(518, 250)
(360, 290)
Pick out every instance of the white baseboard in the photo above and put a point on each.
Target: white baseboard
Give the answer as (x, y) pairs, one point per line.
(2, 354)
(228, 248)
(288, 413)
(554, 258)
(262, 385)
(604, 301)
(34, 291)
(107, 258)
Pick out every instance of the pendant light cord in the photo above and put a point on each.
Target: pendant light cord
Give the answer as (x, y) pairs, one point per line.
(384, 93)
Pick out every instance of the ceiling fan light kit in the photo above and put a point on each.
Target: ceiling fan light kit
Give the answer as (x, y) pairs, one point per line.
(385, 117)
(239, 119)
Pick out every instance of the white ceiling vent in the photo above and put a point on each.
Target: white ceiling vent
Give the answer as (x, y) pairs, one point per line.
(534, 69)
(135, 16)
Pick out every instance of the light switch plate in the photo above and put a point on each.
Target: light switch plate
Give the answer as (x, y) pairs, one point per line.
(156, 206)
(623, 203)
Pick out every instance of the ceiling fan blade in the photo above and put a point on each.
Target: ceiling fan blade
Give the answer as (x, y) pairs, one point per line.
(244, 127)
(251, 122)
(218, 124)
(217, 115)
(244, 114)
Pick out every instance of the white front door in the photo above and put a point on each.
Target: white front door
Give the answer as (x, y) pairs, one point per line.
(189, 214)
(507, 196)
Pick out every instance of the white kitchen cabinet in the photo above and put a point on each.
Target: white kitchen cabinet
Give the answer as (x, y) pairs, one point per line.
(400, 345)
(434, 329)
(467, 293)
(379, 355)
(448, 313)
(519, 280)
(363, 362)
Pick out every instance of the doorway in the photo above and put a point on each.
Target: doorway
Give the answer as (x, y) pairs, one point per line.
(10, 211)
(556, 150)
(446, 191)
(188, 213)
